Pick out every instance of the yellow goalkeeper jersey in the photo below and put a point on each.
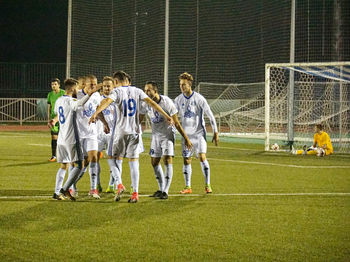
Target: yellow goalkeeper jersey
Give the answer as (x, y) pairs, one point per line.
(323, 139)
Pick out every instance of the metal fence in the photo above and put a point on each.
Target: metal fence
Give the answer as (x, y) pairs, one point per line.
(29, 79)
(23, 110)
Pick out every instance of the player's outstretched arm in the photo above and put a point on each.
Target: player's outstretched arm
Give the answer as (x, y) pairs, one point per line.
(212, 120)
(154, 105)
(101, 117)
(182, 131)
(104, 104)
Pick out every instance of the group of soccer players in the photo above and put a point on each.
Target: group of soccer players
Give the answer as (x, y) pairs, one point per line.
(93, 117)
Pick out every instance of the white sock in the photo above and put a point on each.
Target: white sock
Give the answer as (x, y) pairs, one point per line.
(93, 174)
(59, 180)
(119, 164)
(98, 168)
(168, 177)
(70, 168)
(111, 179)
(72, 177)
(158, 171)
(206, 171)
(187, 171)
(114, 169)
(135, 174)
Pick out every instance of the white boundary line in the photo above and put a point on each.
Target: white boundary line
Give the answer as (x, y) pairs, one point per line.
(203, 195)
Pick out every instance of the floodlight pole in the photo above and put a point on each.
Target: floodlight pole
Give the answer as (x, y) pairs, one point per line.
(69, 39)
(291, 77)
(166, 49)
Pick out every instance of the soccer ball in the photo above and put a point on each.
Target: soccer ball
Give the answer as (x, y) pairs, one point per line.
(320, 152)
(275, 147)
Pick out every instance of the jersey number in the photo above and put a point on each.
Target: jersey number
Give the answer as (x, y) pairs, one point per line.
(130, 106)
(61, 117)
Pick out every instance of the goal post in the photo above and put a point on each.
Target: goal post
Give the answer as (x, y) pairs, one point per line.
(321, 96)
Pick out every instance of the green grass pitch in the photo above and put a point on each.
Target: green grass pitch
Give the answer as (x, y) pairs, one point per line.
(264, 207)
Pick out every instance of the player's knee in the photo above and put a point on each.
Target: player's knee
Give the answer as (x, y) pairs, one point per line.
(202, 157)
(168, 160)
(187, 160)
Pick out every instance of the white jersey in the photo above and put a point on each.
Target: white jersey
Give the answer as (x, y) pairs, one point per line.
(191, 112)
(160, 126)
(66, 108)
(127, 101)
(84, 113)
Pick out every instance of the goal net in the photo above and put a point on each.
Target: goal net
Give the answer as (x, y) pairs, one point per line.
(299, 96)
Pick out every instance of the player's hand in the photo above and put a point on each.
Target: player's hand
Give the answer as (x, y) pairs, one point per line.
(215, 138)
(51, 123)
(92, 119)
(106, 129)
(171, 121)
(188, 144)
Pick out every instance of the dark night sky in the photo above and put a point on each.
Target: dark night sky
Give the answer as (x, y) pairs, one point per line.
(33, 30)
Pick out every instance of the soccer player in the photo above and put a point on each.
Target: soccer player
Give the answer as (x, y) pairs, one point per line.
(68, 147)
(322, 145)
(88, 133)
(51, 100)
(126, 142)
(192, 106)
(163, 139)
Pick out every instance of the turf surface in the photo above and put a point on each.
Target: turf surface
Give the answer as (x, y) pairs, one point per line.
(264, 207)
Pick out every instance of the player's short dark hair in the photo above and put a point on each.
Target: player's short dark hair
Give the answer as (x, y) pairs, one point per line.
(319, 126)
(55, 80)
(128, 77)
(120, 76)
(70, 82)
(186, 76)
(154, 85)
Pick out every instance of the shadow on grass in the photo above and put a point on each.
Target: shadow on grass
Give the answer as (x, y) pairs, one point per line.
(88, 213)
(27, 164)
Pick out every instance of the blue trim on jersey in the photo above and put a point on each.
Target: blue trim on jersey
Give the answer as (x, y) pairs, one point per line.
(201, 120)
(83, 91)
(65, 95)
(160, 99)
(189, 96)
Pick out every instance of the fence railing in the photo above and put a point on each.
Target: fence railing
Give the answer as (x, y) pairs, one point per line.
(23, 110)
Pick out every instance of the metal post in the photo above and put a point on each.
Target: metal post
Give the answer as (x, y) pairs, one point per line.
(69, 39)
(267, 108)
(166, 49)
(135, 41)
(21, 111)
(341, 107)
(291, 78)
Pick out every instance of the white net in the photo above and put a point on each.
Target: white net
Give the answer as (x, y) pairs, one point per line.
(321, 96)
(238, 108)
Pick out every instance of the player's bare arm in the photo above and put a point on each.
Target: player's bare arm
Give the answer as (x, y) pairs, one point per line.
(182, 132)
(101, 117)
(154, 105)
(104, 104)
(52, 122)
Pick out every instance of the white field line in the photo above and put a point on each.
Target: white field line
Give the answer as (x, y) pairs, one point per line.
(252, 162)
(203, 195)
(276, 164)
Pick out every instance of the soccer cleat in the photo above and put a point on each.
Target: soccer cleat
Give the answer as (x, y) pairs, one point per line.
(53, 159)
(67, 194)
(134, 198)
(208, 189)
(110, 189)
(120, 191)
(94, 193)
(101, 155)
(186, 190)
(99, 188)
(58, 197)
(164, 195)
(73, 192)
(157, 194)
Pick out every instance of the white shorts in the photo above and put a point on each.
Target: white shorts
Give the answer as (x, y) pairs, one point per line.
(199, 146)
(127, 146)
(69, 153)
(88, 144)
(103, 141)
(161, 146)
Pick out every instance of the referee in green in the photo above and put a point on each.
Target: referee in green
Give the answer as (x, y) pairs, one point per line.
(51, 100)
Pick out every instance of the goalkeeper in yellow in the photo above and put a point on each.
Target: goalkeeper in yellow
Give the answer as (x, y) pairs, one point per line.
(322, 145)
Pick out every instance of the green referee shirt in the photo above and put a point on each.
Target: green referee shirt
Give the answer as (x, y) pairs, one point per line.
(51, 99)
